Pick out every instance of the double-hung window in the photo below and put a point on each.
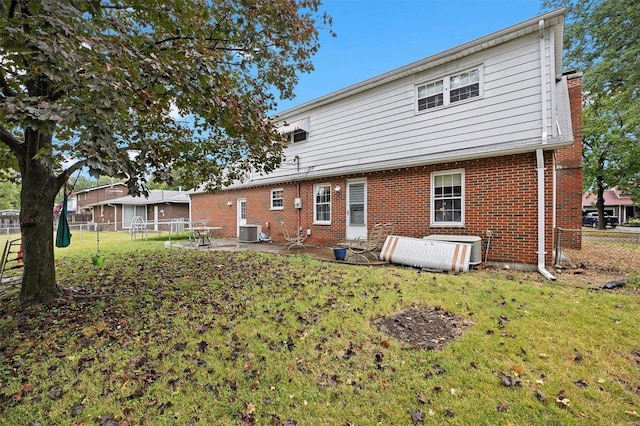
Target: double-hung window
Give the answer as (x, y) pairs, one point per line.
(277, 199)
(449, 89)
(447, 198)
(322, 204)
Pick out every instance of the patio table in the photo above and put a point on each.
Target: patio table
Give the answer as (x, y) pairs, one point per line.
(202, 234)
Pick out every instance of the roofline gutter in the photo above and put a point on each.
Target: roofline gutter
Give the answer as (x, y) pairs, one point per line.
(383, 166)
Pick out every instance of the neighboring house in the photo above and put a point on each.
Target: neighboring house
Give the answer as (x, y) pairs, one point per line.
(616, 203)
(10, 220)
(81, 200)
(158, 210)
(477, 140)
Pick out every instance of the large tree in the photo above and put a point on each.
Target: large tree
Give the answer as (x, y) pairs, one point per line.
(129, 88)
(602, 42)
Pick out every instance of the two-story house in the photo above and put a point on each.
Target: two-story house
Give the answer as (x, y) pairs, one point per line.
(477, 140)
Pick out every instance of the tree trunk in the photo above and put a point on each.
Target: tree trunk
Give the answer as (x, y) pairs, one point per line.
(39, 188)
(602, 223)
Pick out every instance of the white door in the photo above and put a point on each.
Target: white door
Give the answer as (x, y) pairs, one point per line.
(241, 213)
(356, 209)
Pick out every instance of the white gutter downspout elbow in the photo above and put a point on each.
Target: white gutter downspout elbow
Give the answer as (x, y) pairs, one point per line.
(540, 157)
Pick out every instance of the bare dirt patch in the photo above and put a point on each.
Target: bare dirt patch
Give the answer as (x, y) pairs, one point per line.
(423, 327)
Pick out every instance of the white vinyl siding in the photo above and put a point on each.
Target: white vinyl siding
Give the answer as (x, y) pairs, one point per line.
(322, 204)
(378, 128)
(277, 199)
(447, 198)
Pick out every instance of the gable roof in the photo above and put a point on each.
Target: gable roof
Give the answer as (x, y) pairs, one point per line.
(116, 185)
(554, 18)
(612, 197)
(373, 125)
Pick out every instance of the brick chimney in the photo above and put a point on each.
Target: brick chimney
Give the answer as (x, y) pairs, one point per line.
(568, 165)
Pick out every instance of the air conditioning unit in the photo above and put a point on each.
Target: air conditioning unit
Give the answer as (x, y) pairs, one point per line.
(249, 233)
(476, 244)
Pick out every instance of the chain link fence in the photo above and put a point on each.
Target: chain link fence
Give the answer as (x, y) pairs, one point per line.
(613, 250)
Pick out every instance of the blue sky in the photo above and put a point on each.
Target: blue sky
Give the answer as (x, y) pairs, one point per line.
(376, 36)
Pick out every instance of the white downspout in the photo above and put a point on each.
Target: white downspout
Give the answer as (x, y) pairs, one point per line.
(540, 157)
(543, 81)
(541, 240)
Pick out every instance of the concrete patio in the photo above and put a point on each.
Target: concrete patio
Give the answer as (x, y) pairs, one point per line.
(231, 244)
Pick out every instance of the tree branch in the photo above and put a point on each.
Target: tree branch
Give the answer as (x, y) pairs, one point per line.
(8, 139)
(75, 167)
(6, 90)
(64, 176)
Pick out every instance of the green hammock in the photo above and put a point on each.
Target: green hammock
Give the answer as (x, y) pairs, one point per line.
(63, 235)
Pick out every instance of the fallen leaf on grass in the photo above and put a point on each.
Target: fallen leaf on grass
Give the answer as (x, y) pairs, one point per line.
(578, 356)
(508, 380)
(632, 413)
(417, 417)
(202, 346)
(581, 384)
(503, 406)
(517, 371)
(562, 400)
(76, 409)
(56, 393)
(247, 415)
(349, 352)
(164, 406)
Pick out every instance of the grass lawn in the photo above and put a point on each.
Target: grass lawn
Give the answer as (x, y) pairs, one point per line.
(172, 336)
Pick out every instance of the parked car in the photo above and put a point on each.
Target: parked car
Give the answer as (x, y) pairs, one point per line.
(591, 219)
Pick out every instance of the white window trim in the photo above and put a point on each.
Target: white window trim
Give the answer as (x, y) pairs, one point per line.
(446, 82)
(272, 207)
(322, 222)
(432, 200)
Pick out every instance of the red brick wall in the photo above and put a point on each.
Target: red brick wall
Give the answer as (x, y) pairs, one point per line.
(504, 203)
(568, 164)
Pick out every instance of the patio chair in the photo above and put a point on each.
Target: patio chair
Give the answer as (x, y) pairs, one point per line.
(292, 240)
(367, 250)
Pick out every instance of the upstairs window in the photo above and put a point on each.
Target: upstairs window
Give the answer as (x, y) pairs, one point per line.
(449, 89)
(430, 95)
(464, 86)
